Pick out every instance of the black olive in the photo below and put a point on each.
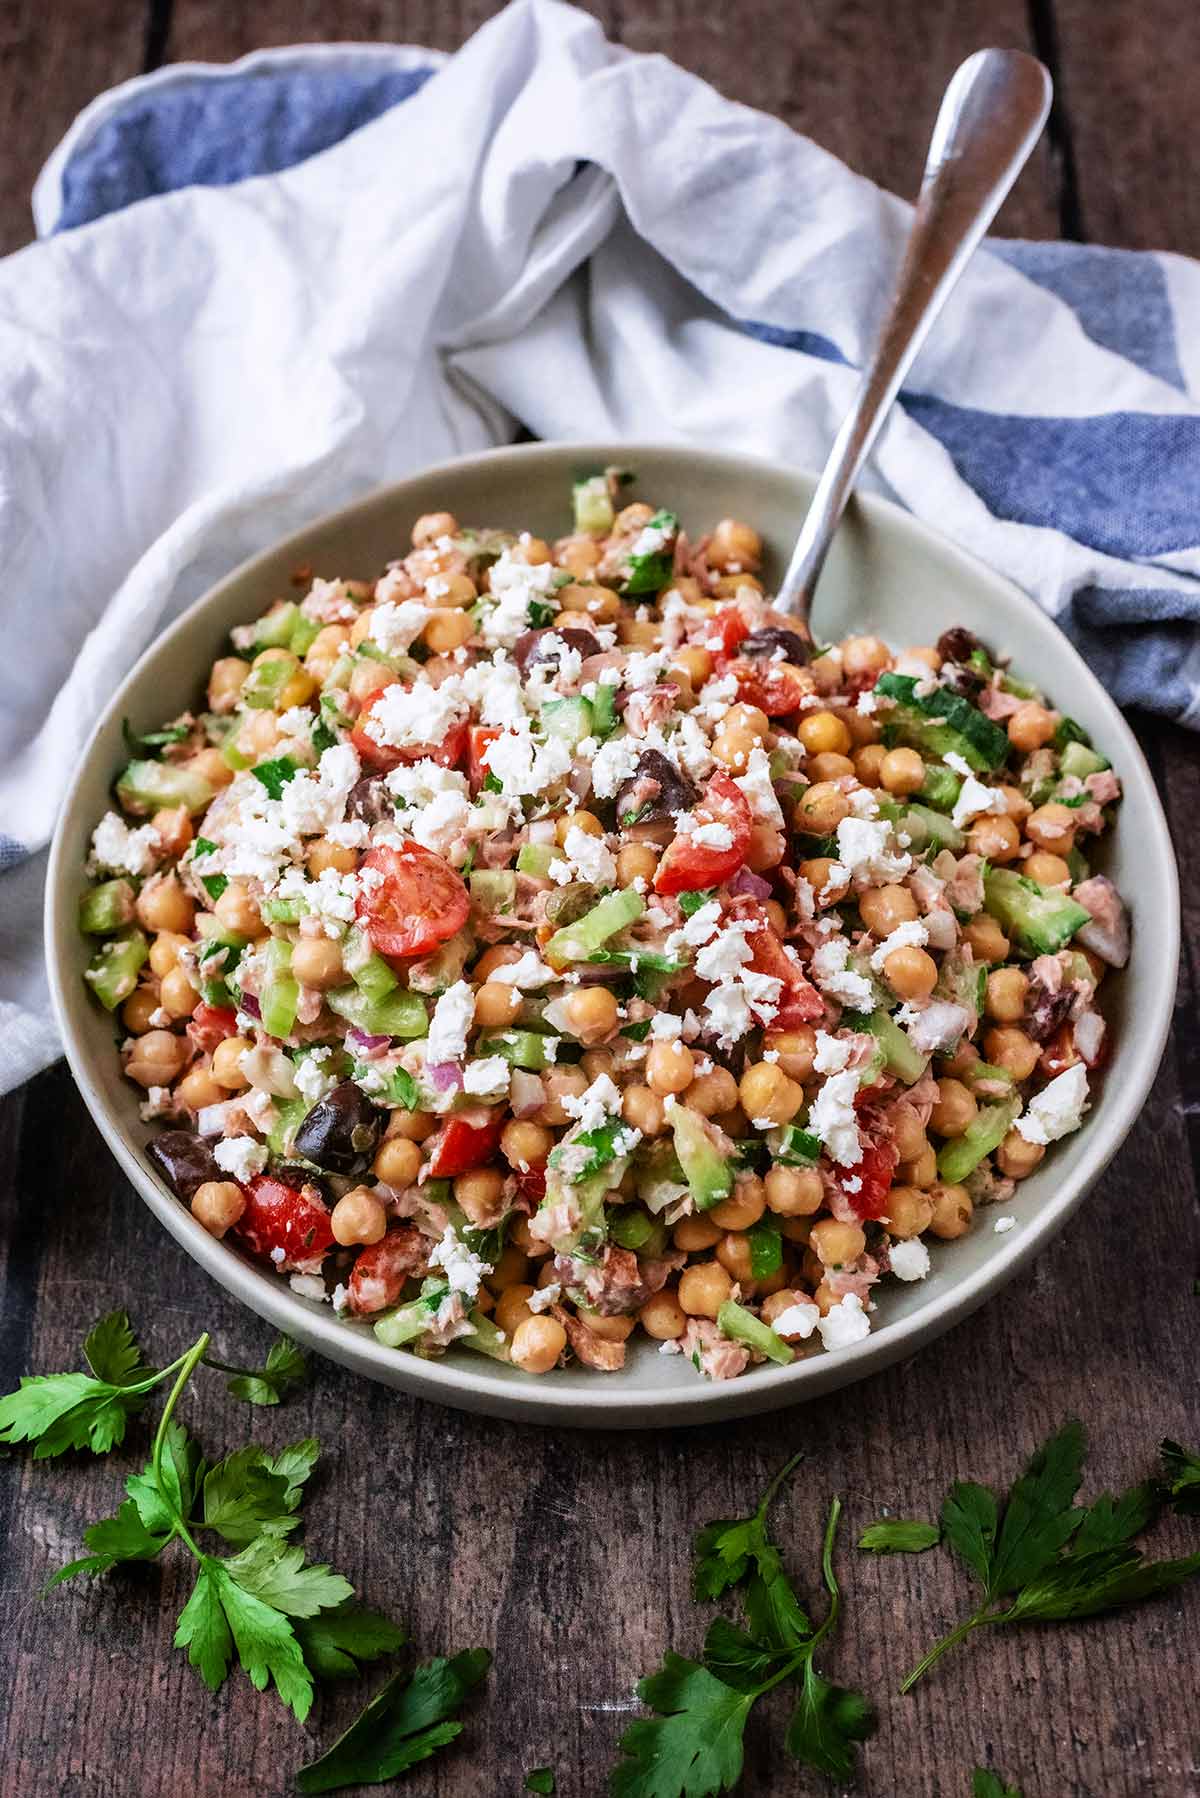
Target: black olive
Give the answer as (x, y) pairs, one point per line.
(957, 644)
(656, 791)
(370, 801)
(766, 642)
(532, 646)
(341, 1131)
(184, 1160)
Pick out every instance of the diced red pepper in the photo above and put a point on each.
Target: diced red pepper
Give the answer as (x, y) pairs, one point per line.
(210, 1025)
(874, 1173)
(465, 1142)
(379, 1275)
(776, 688)
(291, 1218)
(726, 629)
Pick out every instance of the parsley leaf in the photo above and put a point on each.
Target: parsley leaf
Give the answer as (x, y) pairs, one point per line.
(286, 1370)
(222, 1617)
(337, 1641)
(121, 1538)
(277, 1572)
(246, 1495)
(1181, 1469)
(985, 1784)
(112, 1352)
(829, 1720)
(541, 1779)
(691, 902)
(1051, 1560)
(694, 1745)
(58, 1411)
(409, 1718)
(900, 1536)
(151, 740)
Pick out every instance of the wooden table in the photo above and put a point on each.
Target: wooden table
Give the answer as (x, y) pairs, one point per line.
(568, 1554)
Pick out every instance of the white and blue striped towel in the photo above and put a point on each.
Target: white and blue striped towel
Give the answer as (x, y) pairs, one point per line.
(263, 289)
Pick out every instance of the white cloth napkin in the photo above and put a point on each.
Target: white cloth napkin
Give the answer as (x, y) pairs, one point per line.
(555, 233)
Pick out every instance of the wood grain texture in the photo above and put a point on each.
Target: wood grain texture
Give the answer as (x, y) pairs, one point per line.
(568, 1554)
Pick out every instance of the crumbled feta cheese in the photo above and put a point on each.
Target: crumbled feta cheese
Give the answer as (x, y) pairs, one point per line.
(308, 1286)
(464, 1269)
(798, 1320)
(118, 850)
(513, 585)
(591, 857)
(542, 1297)
(312, 1078)
(665, 1026)
(835, 980)
(240, 1156)
(441, 824)
(911, 934)
(691, 748)
(974, 799)
(259, 1107)
(396, 627)
(278, 1255)
(406, 717)
(488, 1078)
(697, 929)
(615, 762)
(864, 850)
(417, 784)
(297, 723)
(161, 1018)
(331, 898)
(845, 1324)
(1057, 1109)
(527, 768)
(156, 1104)
(601, 1101)
(834, 1120)
(832, 1053)
(1003, 1225)
(452, 1018)
(867, 703)
(755, 783)
(727, 954)
(642, 670)
(528, 973)
(909, 1260)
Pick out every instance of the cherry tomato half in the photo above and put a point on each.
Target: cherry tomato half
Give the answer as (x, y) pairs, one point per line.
(874, 1174)
(688, 865)
(482, 737)
(726, 629)
(465, 1142)
(776, 688)
(384, 757)
(419, 904)
(799, 1001)
(279, 1216)
(210, 1025)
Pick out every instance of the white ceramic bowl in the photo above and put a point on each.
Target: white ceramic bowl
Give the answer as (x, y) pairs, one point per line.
(887, 574)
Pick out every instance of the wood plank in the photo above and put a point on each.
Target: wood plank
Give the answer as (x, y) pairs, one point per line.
(53, 60)
(1128, 78)
(818, 67)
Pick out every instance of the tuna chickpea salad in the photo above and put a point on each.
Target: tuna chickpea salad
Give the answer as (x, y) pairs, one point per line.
(542, 943)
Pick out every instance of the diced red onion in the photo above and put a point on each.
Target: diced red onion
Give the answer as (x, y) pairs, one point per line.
(250, 1005)
(370, 1045)
(527, 1095)
(1089, 1036)
(444, 1076)
(746, 881)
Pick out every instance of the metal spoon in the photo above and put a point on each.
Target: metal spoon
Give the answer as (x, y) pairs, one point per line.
(991, 116)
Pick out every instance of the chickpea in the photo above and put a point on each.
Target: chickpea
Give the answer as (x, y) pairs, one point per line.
(197, 1088)
(836, 1244)
(501, 955)
(744, 1206)
(524, 1144)
(591, 1014)
(827, 672)
(865, 656)
(510, 1269)
(512, 1307)
(358, 1217)
(954, 1108)
(1047, 869)
(733, 1252)
(924, 653)
(776, 917)
(227, 1063)
(952, 1211)
(323, 854)
(910, 972)
(156, 1058)
(238, 911)
(580, 556)
(173, 828)
(986, 939)
(828, 887)
(767, 1092)
(765, 848)
(669, 1067)
(367, 679)
(397, 1162)
(884, 909)
(447, 630)
(1031, 727)
(1017, 1158)
(691, 1234)
(587, 822)
(411, 1126)
(1052, 826)
(695, 661)
(480, 1193)
(995, 839)
(537, 1343)
(496, 1004)
(908, 1133)
(599, 603)
(728, 586)
(795, 1229)
(794, 1191)
(138, 1009)
(636, 861)
(432, 525)
(533, 551)
(177, 994)
(828, 766)
(867, 762)
(735, 548)
(162, 904)
(902, 771)
(777, 1303)
(796, 1050)
(225, 683)
(165, 951)
(360, 630)
(561, 1083)
(453, 590)
(663, 1317)
(821, 808)
(921, 1171)
(704, 1288)
(324, 650)
(608, 1329)
(317, 962)
(961, 1063)
(218, 1204)
(643, 1109)
(1006, 990)
(1009, 1048)
(712, 1093)
(909, 1212)
(823, 733)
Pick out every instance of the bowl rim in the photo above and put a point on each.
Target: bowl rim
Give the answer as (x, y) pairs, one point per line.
(609, 1405)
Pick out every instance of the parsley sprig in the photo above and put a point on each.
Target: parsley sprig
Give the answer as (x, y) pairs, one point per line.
(1039, 1557)
(694, 1744)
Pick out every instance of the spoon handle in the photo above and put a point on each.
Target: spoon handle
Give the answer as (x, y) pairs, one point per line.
(991, 116)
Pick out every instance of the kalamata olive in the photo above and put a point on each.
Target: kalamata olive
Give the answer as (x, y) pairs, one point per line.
(532, 646)
(341, 1131)
(765, 643)
(656, 791)
(958, 644)
(370, 801)
(184, 1160)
